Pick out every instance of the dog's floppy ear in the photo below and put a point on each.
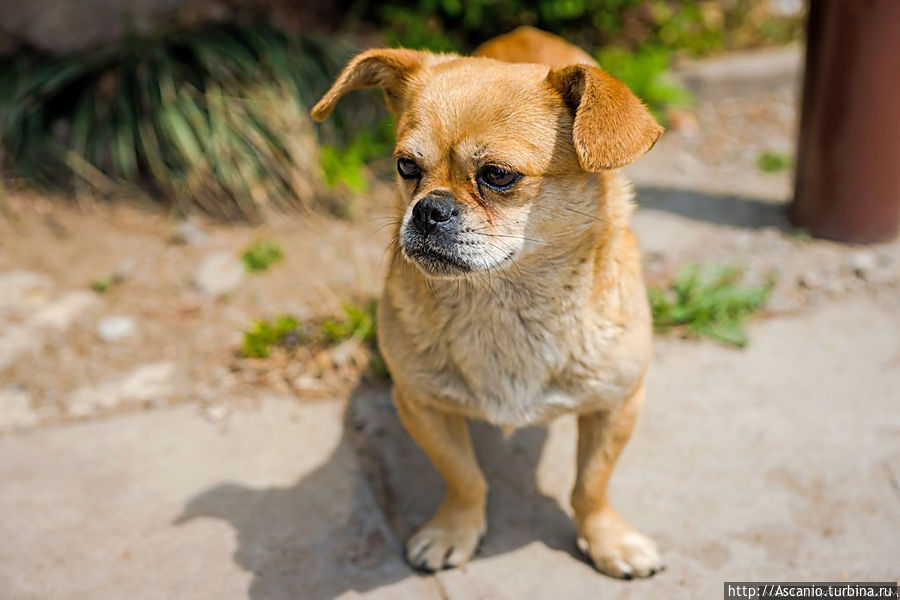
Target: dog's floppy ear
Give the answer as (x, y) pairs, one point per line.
(387, 68)
(611, 127)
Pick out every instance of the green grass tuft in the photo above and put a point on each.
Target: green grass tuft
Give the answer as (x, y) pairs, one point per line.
(263, 335)
(771, 161)
(358, 322)
(261, 255)
(707, 301)
(101, 284)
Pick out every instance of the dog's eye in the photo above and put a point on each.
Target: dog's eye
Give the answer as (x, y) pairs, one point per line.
(408, 169)
(497, 178)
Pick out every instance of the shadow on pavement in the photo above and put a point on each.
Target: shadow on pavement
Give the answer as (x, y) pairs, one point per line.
(720, 209)
(334, 530)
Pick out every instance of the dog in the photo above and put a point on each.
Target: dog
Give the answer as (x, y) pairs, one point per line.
(514, 292)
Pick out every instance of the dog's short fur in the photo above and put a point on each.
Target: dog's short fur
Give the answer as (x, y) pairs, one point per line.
(513, 302)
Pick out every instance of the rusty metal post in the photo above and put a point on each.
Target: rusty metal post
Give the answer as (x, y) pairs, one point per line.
(848, 161)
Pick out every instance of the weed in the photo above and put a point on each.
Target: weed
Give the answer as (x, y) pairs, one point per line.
(261, 255)
(101, 284)
(358, 322)
(706, 301)
(771, 161)
(263, 335)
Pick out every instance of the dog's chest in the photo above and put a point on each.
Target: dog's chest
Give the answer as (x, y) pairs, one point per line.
(516, 365)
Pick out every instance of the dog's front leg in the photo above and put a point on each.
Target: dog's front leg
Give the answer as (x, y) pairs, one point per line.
(452, 534)
(606, 539)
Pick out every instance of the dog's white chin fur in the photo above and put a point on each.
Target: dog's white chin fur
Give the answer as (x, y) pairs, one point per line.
(437, 268)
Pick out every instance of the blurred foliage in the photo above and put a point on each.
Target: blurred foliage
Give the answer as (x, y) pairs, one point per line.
(706, 301)
(698, 26)
(646, 73)
(346, 166)
(772, 161)
(261, 255)
(633, 39)
(214, 117)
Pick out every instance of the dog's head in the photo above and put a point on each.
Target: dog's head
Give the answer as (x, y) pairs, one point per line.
(495, 159)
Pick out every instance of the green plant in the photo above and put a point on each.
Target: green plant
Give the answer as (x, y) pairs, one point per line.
(411, 29)
(646, 73)
(771, 161)
(101, 284)
(261, 255)
(347, 166)
(214, 117)
(358, 323)
(263, 335)
(706, 301)
(696, 26)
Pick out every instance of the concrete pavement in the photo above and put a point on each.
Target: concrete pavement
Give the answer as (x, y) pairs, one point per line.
(778, 462)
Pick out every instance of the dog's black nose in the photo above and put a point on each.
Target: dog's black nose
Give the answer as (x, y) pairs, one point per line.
(433, 211)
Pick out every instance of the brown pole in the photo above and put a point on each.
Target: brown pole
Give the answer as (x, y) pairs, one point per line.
(848, 161)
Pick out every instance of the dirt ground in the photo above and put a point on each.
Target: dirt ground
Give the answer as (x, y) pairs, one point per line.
(142, 251)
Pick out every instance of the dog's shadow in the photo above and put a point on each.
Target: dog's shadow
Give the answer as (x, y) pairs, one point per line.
(323, 535)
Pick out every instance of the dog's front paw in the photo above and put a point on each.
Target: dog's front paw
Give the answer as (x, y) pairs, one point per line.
(616, 549)
(449, 539)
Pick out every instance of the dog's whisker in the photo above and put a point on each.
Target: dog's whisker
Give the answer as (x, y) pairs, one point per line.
(509, 256)
(392, 247)
(382, 227)
(586, 214)
(514, 237)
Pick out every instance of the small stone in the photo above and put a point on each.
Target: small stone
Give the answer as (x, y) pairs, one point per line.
(114, 329)
(307, 383)
(124, 271)
(862, 263)
(345, 353)
(218, 274)
(216, 413)
(22, 289)
(189, 233)
(146, 384)
(810, 280)
(61, 313)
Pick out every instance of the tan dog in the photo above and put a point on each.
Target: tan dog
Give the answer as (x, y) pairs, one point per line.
(514, 292)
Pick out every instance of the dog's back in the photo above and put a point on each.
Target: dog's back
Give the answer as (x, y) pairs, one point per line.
(530, 45)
